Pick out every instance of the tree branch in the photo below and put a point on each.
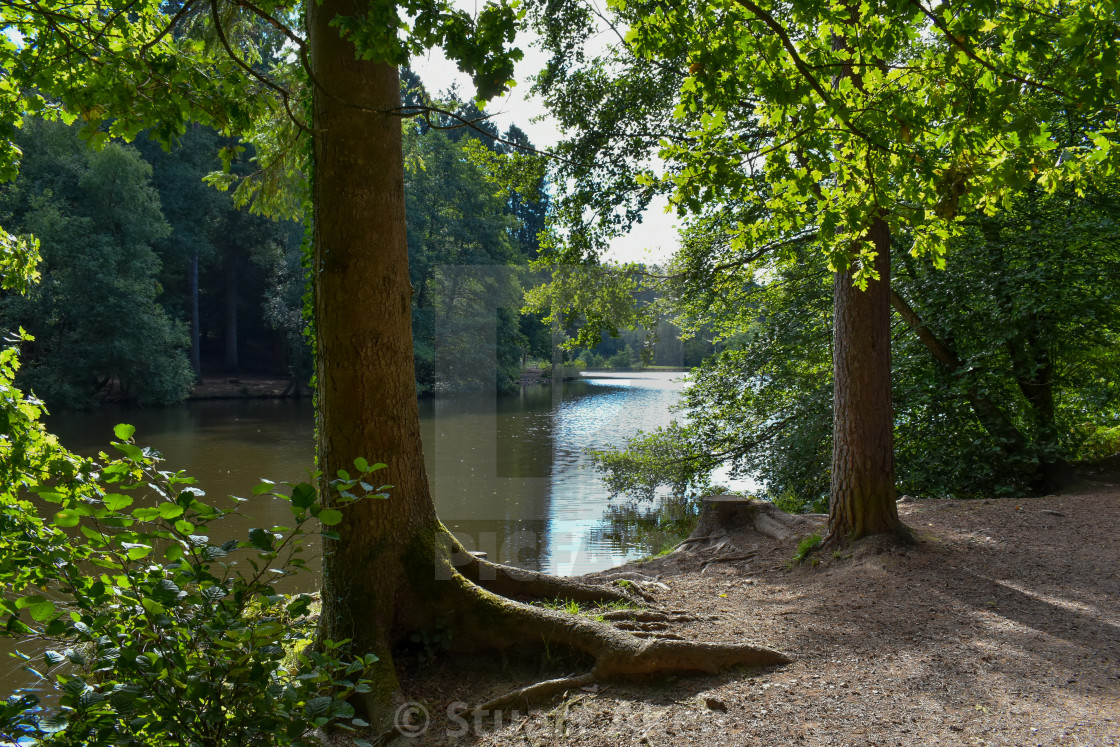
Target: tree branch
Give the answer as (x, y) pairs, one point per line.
(283, 92)
(937, 22)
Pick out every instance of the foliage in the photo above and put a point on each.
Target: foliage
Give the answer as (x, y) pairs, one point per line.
(152, 634)
(1039, 280)
(931, 115)
(932, 120)
(1101, 444)
(250, 282)
(465, 326)
(129, 64)
(792, 503)
(1030, 313)
(95, 315)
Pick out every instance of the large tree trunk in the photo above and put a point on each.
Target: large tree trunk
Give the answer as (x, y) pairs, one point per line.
(394, 568)
(363, 324)
(862, 497)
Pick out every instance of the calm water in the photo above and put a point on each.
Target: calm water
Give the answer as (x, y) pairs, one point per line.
(510, 474)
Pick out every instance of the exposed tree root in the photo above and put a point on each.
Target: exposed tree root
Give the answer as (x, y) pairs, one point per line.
(647, 616)
(492, 621)
(643, 626)
(692, 539)
(482, 606)
(728, 559)
(533, 693)
(516, 583)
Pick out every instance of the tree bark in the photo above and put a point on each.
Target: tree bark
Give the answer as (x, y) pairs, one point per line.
(862, 499)
(192, 292)
(363, 328)
(393, 568)
(231, 363)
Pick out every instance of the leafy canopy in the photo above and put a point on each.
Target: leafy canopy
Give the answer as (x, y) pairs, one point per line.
(827, 113)
(822, 114)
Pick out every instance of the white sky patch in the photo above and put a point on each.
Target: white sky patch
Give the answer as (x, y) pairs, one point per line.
(654, 240)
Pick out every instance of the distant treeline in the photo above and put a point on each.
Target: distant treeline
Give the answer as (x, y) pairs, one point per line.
(151, 278)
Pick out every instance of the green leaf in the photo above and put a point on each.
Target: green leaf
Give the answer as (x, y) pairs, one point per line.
(318, 706)
(330, 517)
(131, 451)
(303, 495)
(116, 501)
(261, 539)
(152, 606)
(43, 611)
(67, 518)
(124, 431)
(170, 510)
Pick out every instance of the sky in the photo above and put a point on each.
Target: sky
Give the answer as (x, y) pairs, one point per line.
(653, 240)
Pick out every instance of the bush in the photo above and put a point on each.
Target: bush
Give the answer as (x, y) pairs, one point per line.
(152, 637)
(1101, 443)
(594, 360)
(792, 503)
(621, 359)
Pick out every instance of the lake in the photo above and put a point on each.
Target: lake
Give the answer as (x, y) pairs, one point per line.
(510, 474)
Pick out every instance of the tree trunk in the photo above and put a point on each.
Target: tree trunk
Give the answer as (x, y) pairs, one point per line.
(231, 364)
(862, 497)
(394, 569)
(987, 412)
(192, 292)
(363, 325)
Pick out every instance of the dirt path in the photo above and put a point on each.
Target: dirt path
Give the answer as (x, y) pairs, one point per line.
(1002, 627)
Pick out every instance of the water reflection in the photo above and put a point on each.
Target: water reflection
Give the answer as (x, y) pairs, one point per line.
(510, 474)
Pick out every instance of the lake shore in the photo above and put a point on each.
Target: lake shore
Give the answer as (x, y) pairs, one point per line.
(1000, 627)
(246, 387)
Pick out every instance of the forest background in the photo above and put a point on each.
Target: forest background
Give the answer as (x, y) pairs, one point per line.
(152, 277)
(1019, 398)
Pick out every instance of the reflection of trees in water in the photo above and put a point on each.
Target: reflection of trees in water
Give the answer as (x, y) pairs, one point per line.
(654, 527)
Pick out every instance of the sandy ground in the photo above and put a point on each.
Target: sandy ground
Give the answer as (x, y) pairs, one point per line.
(1000, 627)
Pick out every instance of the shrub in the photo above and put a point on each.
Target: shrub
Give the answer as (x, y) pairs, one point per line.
(1101, 443)
(805, 548)
(153, 634)
(792, 503)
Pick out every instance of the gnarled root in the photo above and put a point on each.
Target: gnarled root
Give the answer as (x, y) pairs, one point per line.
(516, 583)
(492, 621)
(533, 693)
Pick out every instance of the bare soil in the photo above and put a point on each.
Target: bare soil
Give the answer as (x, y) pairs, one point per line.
(1001, 626)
